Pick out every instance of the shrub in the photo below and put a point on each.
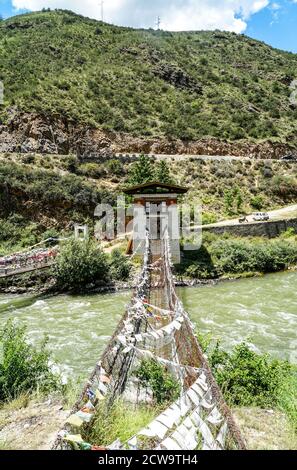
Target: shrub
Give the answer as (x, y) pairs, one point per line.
(115, 167)
(28, 159)
(72, 163)
(200, 271)
(92, 170)
(251, 379)
(120, 266)
(80, 263)
(163, 385)
(287, 397)
(257, 202)
(238, 256)
(248, 378)
(284, 186)
(23, 368)
(289, 233)
(15, 232)
(209, 218)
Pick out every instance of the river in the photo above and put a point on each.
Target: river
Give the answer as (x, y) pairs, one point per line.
(260, 311)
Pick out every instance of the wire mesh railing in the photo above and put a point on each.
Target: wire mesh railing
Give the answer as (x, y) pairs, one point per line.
(156, 326)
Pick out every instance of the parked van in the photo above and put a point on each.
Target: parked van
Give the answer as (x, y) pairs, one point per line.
(260, 216)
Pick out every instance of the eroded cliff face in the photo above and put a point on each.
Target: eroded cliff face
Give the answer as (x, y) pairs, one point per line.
(32, 133)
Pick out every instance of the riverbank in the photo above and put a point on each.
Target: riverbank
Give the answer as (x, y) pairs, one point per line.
(32, 423)
(45, 284)
(260, 311)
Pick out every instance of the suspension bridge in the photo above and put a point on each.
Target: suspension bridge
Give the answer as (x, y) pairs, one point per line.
(155, 326)
(34, 258)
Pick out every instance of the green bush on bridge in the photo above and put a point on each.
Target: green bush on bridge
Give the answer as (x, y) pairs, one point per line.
(163, 384)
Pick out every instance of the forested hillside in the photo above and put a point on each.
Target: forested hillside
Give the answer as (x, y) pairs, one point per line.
(65, 74)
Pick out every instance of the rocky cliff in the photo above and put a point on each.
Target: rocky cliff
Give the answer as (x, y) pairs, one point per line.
(32, 133)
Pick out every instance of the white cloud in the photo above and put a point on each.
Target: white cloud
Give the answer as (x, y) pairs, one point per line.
(176, 15)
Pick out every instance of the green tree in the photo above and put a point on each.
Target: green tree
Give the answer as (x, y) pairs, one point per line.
(239, 201)
(228, 200)
(142, 171)
(80, 263)
(162, 173)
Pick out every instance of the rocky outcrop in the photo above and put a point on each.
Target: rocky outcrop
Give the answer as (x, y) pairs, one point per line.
(30, 133)
(26, 133)
(177, 77)
(207, 146)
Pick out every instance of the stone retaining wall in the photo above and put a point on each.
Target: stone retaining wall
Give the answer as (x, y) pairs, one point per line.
(270, 229)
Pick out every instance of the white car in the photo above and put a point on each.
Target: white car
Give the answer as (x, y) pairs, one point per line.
(260, 216)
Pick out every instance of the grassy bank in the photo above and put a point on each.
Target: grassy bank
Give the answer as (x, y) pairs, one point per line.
(33, 397)
(260, 389)
(251, 380)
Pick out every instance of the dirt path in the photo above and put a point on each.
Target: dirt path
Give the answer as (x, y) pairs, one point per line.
(265, 429)
(31, 427)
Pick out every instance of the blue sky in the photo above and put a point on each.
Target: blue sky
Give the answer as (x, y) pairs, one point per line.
(272, 21)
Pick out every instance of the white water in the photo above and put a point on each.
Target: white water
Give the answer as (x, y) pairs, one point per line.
(261, 311)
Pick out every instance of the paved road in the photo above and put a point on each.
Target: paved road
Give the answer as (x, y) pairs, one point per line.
(278, 214)
(228, 158)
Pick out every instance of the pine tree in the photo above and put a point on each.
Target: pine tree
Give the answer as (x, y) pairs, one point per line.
(141, 171)
(228, 199)
(162, 173)
(239, 201)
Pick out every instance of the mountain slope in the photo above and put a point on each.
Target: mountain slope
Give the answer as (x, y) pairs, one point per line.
(64, 74)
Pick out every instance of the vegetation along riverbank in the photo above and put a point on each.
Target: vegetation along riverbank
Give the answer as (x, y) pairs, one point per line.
(256, 386)
(84, 267)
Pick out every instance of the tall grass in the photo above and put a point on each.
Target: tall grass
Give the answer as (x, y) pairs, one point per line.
(121, 421)
(287, 400)
(23, 368)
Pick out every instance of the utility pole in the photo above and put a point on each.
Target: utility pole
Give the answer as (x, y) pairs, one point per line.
(158, 22)
(102, 10)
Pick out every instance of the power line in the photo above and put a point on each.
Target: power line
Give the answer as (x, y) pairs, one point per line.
(158, 22)
(102, 10)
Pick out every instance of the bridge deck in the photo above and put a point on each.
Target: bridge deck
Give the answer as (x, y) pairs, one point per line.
(156, 326)
(9, 272)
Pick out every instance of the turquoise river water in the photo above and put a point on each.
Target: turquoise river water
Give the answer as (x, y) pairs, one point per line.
(260, 311)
